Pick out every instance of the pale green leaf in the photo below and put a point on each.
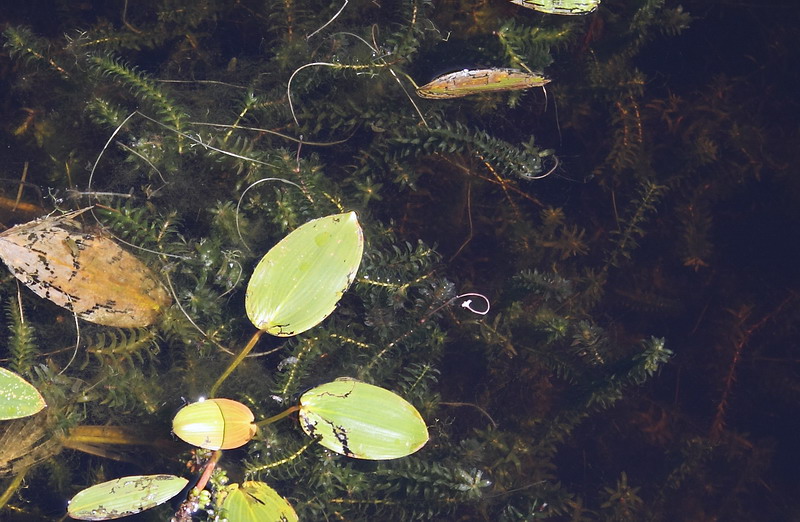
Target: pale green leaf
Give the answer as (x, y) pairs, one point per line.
(361, 420)
(124, 496)
(18, 398)
(256, 502)
(299, 281)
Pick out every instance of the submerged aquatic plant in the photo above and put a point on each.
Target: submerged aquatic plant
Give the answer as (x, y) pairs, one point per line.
(389, 330)
(197, 164)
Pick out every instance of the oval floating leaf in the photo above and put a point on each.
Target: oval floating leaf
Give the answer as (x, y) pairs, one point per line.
(215, 424)
(560, 7)
(124, 496)
(83, 272)
(18, 397)
(299, 281)
(478, 81)
(361, 420)
(256, 502)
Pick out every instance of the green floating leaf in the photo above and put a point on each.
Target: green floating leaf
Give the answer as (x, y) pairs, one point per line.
(257, 502)
(124, 496)
(299, 281)
(18, 397)
(361, 420)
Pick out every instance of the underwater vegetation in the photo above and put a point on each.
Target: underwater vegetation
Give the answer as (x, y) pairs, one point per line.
(576, 277)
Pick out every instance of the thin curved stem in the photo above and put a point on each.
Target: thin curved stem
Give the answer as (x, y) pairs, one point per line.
(278, 417)
(239, 358)
(12, 488)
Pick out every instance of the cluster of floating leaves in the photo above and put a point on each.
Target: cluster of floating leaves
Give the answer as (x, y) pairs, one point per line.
(296, 286)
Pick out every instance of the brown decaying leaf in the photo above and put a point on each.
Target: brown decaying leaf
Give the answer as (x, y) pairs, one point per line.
(84, 272)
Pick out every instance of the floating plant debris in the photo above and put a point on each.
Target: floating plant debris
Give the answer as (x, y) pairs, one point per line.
(560, 7)
(84, 272)
(478, 81)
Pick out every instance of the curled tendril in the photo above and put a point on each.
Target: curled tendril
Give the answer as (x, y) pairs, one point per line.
(468, 302)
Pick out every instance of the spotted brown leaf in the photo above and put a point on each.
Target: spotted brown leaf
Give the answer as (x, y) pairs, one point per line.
(84, 272)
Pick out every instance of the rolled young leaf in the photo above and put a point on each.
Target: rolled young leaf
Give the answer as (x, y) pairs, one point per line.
(215, 424)
(299, 281)
(361, 420)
